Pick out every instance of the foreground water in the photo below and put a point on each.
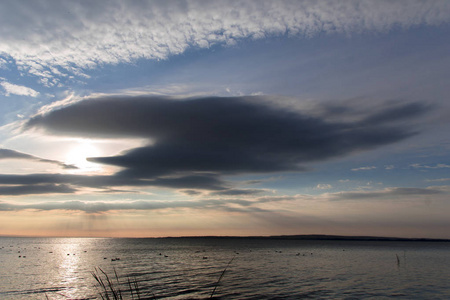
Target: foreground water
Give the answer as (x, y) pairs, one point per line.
(60, 268)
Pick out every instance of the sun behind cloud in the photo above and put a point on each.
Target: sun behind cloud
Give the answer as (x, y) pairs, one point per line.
(78, 155)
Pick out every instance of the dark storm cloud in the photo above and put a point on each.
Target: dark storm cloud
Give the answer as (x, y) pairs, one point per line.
(222, 136)
(13, 154)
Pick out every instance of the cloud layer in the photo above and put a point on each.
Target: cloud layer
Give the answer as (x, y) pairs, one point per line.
(54, 39)
(194, 142)
(13, 154)
(389, 194)
(438, 193)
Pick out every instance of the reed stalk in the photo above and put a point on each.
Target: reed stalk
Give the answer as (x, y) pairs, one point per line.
(220, 278)
(109, 289)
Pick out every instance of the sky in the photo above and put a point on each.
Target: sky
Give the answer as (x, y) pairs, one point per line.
(188, 118)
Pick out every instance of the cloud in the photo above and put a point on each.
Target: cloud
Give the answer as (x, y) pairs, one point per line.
(397, 113)
(13, 154)
(107, 183)
(364, 168)
(437, 166)
(238, 192)
(234, 205)
(388, 193)
(33, 189)
(3, 63)
(231, 204)
(191, 192)
(80, 35)
(438, 180)
(18, 89)
(323, 186)
(193, 141)
(89, 207)
(206, 182)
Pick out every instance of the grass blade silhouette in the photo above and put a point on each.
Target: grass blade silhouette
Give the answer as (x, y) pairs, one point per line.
(220, 278)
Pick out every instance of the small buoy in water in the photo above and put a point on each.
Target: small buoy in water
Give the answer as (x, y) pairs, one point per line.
(205, 257)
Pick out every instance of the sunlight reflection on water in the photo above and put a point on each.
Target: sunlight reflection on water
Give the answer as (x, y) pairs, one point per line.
(69, 262)
(189, 268)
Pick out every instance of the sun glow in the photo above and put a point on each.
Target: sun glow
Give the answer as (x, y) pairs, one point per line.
(78, 156)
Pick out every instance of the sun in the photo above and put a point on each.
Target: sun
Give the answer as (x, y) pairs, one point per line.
(79, 153)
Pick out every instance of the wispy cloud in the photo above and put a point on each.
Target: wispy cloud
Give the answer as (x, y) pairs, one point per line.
(233, 204)
(364, 168)
(80, 35)
(35, 189)
(388, 193)
(344, 180)
(13, 154)
(438, 180)
(323, 186)
(238, 192)
(108, 183)
(226, 204)
(18, 89)
(3, 63)
(437, 166)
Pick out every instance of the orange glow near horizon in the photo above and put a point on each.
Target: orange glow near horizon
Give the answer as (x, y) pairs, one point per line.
(141, 225)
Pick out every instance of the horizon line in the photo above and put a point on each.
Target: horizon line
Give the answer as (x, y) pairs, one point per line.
(282, 236)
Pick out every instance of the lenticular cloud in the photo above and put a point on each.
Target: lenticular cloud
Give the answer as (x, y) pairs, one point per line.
(221, 135)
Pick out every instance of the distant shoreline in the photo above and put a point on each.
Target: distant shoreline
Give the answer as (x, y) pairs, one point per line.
(305, 237)
(319, 237)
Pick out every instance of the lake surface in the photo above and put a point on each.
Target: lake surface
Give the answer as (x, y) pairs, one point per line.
(189, 268)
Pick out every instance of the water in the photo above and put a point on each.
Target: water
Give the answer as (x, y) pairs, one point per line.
(60, 268)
